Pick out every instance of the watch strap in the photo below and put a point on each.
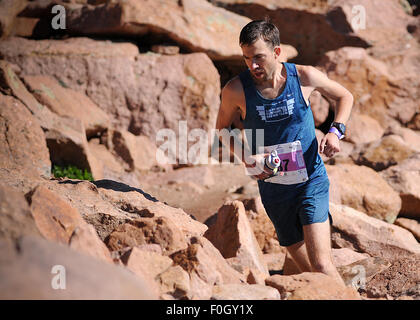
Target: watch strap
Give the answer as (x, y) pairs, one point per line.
(337, 132)
(340, 127)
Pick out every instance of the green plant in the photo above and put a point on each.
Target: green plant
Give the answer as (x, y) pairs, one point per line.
(71, 172)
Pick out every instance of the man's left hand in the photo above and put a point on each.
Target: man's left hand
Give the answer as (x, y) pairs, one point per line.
(330, 145)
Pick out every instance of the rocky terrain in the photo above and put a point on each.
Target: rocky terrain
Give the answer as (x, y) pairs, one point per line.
(97, 95)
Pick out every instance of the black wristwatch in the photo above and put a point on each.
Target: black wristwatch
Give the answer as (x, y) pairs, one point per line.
(340, 127)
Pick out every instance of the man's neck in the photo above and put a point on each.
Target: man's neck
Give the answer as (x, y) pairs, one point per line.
(276, 80)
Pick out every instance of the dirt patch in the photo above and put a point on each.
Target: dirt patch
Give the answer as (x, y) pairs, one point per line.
(400, 280)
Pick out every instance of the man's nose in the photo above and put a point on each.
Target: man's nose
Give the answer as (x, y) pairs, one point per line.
(254, 65)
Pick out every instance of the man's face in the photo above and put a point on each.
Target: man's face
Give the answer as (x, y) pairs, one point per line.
(261, 59)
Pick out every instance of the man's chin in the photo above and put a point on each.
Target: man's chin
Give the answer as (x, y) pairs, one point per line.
(258, 78)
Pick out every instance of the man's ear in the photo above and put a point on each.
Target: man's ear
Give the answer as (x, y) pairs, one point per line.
(277, 51)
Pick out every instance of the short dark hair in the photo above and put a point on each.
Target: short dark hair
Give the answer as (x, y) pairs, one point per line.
(260, 29)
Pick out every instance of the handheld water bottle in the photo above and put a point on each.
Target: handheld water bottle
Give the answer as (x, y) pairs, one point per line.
(273, 161)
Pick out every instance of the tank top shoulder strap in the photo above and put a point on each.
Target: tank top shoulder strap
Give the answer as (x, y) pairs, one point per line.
(291, 69)
(294, 82)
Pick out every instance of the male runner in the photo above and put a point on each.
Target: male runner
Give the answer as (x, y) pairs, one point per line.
(273, 96)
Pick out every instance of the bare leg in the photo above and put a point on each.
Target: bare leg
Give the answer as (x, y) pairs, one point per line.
(318, 246)
(299, 255)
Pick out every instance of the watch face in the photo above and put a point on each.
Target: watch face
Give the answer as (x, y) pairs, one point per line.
(340, 126)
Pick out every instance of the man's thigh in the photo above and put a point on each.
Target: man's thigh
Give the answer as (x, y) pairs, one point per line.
(286, 222)
(315, 249)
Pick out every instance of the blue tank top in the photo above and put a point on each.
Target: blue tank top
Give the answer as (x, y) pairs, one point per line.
(284, 119)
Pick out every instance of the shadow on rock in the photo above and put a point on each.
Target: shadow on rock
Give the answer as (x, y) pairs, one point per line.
(114, 185)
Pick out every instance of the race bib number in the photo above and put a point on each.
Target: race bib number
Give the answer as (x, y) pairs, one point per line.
(292, 163)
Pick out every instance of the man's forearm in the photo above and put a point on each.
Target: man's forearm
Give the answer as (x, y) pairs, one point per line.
(343, 109)
(235, 145)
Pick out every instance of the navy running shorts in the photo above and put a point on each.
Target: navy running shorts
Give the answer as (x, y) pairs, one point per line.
(296, 207)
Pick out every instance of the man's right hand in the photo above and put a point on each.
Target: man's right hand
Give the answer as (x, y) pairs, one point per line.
(255, 167)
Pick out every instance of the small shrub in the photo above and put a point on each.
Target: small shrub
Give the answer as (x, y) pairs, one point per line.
(71, 172)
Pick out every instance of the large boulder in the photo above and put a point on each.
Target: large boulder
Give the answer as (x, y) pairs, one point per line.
(67, 102)
(193, 24)
(85, 197)
(65, 136)
(136, 202)
(233, 236)
(143, 93)
(57, 272)
(363, 189)
(107, 204)
(404, 178)
(164, 27)
(355, 230)
(23, 141)
(362, 129)
(389, 68)
(383, 153)
(24, 156)
(58, 221)
(206, 268)
(383, 89)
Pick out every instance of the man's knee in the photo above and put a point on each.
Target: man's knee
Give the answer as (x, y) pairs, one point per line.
(324, 265)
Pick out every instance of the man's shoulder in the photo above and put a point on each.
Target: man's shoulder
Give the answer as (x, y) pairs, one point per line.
(303, 70)
(234, 87)
(306, 73)
(233, 93)
(234, 84)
